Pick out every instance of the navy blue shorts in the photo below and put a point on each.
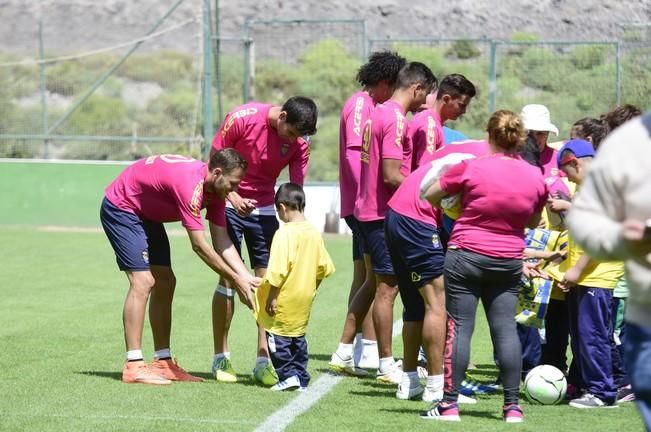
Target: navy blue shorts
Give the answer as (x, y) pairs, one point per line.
(258, 231)
(358, 241)
(137, 243)
(417, 255)
(376, 247)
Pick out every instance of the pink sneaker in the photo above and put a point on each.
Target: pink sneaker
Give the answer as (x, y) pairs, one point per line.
(513, 413)
(442, 411)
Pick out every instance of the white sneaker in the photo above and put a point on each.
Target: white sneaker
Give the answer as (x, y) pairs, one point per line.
(432, 396)
(370, 358)
(291, 383)
(345, 365)
(422, 372)
(392, 376)
(358, 349)
(466, 400)
(409, 392)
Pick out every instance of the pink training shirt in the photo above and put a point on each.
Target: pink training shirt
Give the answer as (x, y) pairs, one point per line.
(357, 110)
(247, 130)
(406, 200)
(167, 188)
(500, 194)
(385, 137)
(426, 135)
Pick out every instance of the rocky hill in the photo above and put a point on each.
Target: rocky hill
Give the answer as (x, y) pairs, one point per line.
(77, 25)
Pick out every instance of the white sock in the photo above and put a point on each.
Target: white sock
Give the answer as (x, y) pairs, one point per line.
(162, 354)
(435, 382)
(409, 378)
(386, 363)
(345, 350)
(217, 358)
(261, 361)
(134, 355)
(369, 342)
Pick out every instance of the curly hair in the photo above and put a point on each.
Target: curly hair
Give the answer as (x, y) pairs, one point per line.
(620, 115)
(381, 66)
(589, 128)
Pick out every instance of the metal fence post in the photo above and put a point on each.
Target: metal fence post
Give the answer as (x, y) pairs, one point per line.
(248, 70)
(41, 53)
(207, 79)
(618, 73)
(218, 62)
(492, 78)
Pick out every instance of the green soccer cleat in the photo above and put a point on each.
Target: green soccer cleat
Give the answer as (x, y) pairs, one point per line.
(265, 375)
(223, 370)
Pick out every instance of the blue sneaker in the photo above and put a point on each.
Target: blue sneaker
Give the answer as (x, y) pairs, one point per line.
(471, 387)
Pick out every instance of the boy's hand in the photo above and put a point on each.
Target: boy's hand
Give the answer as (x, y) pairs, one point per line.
(271, 306)
(570, 279)
(558, 205)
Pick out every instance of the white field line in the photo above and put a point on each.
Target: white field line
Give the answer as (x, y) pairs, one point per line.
(128, 417)
(285, 415)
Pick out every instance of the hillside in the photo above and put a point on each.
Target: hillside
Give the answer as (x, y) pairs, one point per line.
(75, 25)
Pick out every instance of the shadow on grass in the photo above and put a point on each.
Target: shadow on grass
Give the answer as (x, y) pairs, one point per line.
(412, 411)
(485, 369)
(482, 414)
(117, 376)
(320, 357)
(388, 393)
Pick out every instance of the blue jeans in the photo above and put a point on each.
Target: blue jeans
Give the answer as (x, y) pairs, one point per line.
(637, 357)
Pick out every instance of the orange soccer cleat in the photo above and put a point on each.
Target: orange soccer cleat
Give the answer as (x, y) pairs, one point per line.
(170, 369)
(139, 372)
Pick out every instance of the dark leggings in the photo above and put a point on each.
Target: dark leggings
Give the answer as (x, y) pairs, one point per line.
(469, 277)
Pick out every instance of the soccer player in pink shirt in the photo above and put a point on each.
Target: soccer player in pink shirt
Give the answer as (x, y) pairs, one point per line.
(152, 191)
(270, 138)
(386, 161)
(378, 78)
(501, 196)
(450, 102)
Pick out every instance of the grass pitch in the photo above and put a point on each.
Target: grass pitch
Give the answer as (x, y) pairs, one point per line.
(61, 353)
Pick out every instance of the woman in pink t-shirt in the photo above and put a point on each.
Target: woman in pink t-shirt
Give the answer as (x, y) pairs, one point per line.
(501, 196)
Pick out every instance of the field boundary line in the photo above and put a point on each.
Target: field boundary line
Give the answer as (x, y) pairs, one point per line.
(285, 415)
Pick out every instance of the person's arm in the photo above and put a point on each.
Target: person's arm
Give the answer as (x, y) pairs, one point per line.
(391, 174)
(449, 183)
(213, 259)
(573, 275)
(298, 164)
(534, 220)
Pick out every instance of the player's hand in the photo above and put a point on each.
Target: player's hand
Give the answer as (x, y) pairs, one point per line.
(245, 290)
(243, 206)
(271, 306)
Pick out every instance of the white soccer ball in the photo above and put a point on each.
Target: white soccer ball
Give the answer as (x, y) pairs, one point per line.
(545, 385)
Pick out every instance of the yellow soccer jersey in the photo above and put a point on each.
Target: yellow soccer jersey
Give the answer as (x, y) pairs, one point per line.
(297, 260)
(598, 274)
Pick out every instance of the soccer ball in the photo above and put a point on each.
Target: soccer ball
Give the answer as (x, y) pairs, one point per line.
(545, 385)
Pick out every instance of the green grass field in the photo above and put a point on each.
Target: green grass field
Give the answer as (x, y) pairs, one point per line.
(61, 353)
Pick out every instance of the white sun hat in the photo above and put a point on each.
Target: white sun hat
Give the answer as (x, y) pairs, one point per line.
(536, 118)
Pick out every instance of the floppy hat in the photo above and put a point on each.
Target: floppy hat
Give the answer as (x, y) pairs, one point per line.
(536, 117)
(579, 148)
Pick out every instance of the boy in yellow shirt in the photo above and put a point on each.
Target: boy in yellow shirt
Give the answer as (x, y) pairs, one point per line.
(298, 263)
(589, 285)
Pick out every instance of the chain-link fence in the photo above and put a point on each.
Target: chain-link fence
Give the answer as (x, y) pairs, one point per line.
(573, 79)
(470, 57)
(144, 95)
(134, 98)
(635, 53)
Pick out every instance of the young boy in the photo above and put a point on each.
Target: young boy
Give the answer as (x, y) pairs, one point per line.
(298, 263)
(590, 291)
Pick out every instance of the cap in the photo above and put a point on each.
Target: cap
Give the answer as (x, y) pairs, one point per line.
(537, 118)
(579, 148)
